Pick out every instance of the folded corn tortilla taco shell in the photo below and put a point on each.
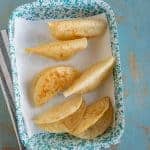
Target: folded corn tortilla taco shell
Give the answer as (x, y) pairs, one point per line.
(96, 119)
(63, 117)
(60, 50)
(51, 81)
(67, 124)
(91, 78)
(77, 28)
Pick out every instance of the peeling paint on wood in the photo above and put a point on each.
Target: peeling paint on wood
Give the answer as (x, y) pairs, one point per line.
(7, 127)
(114, 147)
(9, 148)
(146, 130)
(120, 19)
(133, 66)
(135, 32)
(145, 91)
(126, 93)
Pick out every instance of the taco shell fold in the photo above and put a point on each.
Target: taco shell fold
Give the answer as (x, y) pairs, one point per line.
(51, 81)
(96, 119)
(63, 117)
(91, 78)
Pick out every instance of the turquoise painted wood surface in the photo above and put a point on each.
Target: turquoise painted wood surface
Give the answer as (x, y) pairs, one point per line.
(134, 29)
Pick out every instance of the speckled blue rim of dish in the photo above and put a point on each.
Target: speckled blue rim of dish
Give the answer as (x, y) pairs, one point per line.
(46, 9)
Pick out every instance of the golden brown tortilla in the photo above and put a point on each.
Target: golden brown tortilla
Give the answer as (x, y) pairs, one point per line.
(96, 119)
(91, 78)
(77, 28)
(60, 50)
(51, 81)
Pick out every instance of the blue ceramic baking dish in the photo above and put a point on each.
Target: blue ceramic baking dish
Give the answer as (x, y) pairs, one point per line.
(58, 9)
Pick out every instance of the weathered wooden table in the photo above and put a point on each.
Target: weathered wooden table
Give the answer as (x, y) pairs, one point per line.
(134, 29)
